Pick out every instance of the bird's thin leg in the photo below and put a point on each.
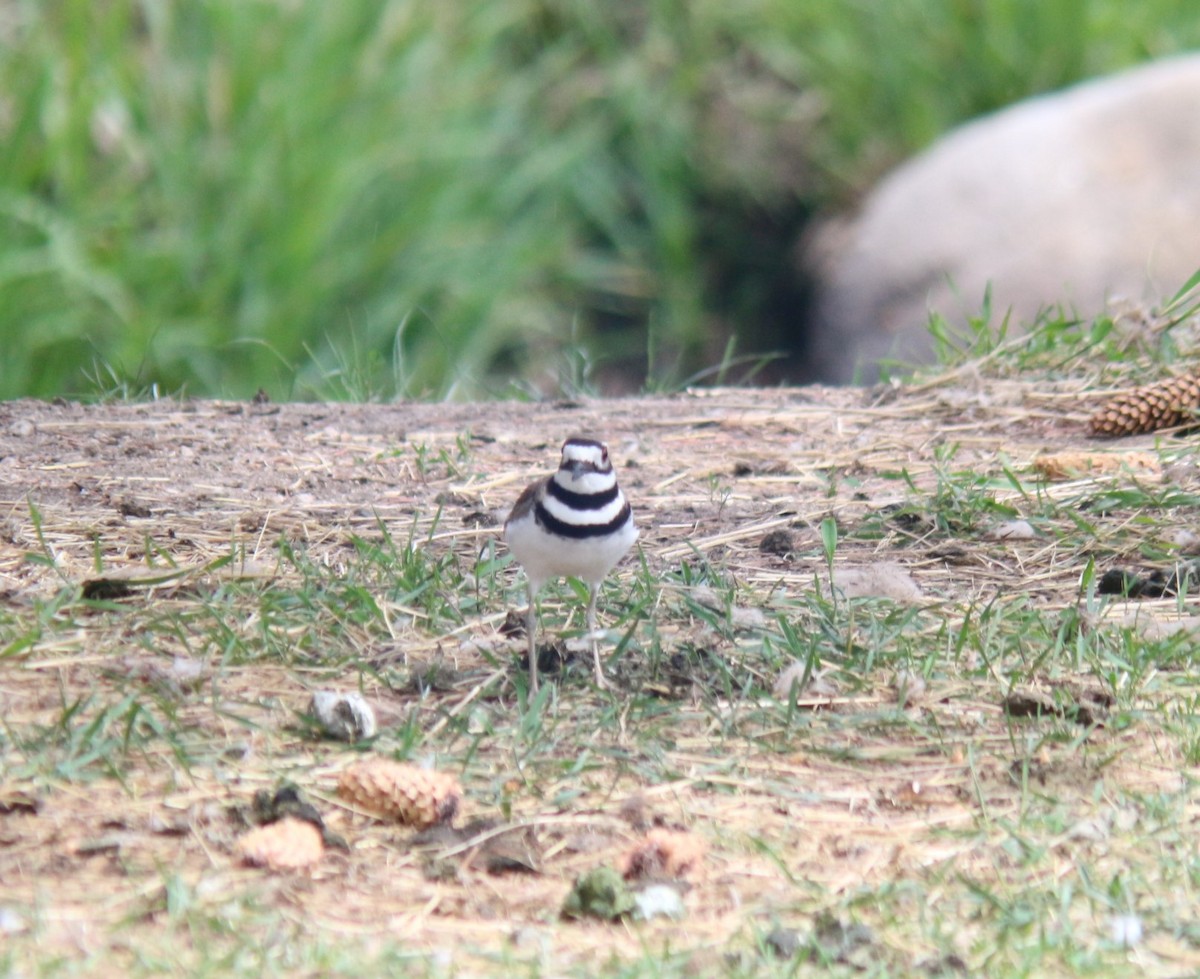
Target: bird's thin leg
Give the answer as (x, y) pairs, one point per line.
(591, 629)
(531, 631)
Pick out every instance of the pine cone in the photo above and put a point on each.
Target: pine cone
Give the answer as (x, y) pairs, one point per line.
(412, 796)
(664, 853)
(1147, 409)
(289, 844)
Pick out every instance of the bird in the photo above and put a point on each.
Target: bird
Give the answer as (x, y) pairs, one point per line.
(574, 523)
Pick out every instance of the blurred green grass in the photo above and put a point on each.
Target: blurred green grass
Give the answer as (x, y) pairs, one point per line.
(365, 200)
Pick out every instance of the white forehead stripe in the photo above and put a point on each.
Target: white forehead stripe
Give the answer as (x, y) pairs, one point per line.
(584, 453)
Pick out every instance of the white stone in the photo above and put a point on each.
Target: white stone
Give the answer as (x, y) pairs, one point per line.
(345, 716)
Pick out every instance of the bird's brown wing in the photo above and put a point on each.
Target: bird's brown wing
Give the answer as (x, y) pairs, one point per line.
(525, 502)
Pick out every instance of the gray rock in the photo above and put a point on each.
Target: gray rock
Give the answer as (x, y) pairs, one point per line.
(1078, 197)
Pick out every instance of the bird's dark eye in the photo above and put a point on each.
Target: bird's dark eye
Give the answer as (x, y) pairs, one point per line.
(604, 455)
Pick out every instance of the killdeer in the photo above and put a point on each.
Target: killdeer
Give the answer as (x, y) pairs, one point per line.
(575, 522)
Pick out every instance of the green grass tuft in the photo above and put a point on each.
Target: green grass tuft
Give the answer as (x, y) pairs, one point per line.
(360, 201)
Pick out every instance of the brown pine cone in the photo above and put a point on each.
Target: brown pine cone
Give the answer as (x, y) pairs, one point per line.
(412, 796)
(664, 853)
(289, 844)
(1174, 401)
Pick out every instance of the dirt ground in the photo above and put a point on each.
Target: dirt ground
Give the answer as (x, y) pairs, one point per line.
(98, 868)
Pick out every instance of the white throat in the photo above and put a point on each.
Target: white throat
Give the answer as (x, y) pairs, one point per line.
(585, 482)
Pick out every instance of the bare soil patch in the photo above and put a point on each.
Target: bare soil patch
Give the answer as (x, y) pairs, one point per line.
(800, 807)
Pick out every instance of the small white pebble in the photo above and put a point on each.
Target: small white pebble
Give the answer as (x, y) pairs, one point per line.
(1154, 629)
(659, 901)
(1093, 829)
(1187, 541)
(186, 670)
(483, 646)
(708, 597)
(819, 685)
(11, 922)
(1012, 530)
(532, 940)
(345, 716)
(1126, 929)
(1180, 473)
(909, 687)
(1126, 818)
(886, 580)
(747, 619)
(479, 721)
(740, 618)
(793, 674)
(583, 644)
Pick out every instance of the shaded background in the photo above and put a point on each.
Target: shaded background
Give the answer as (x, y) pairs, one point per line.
(526, 197)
